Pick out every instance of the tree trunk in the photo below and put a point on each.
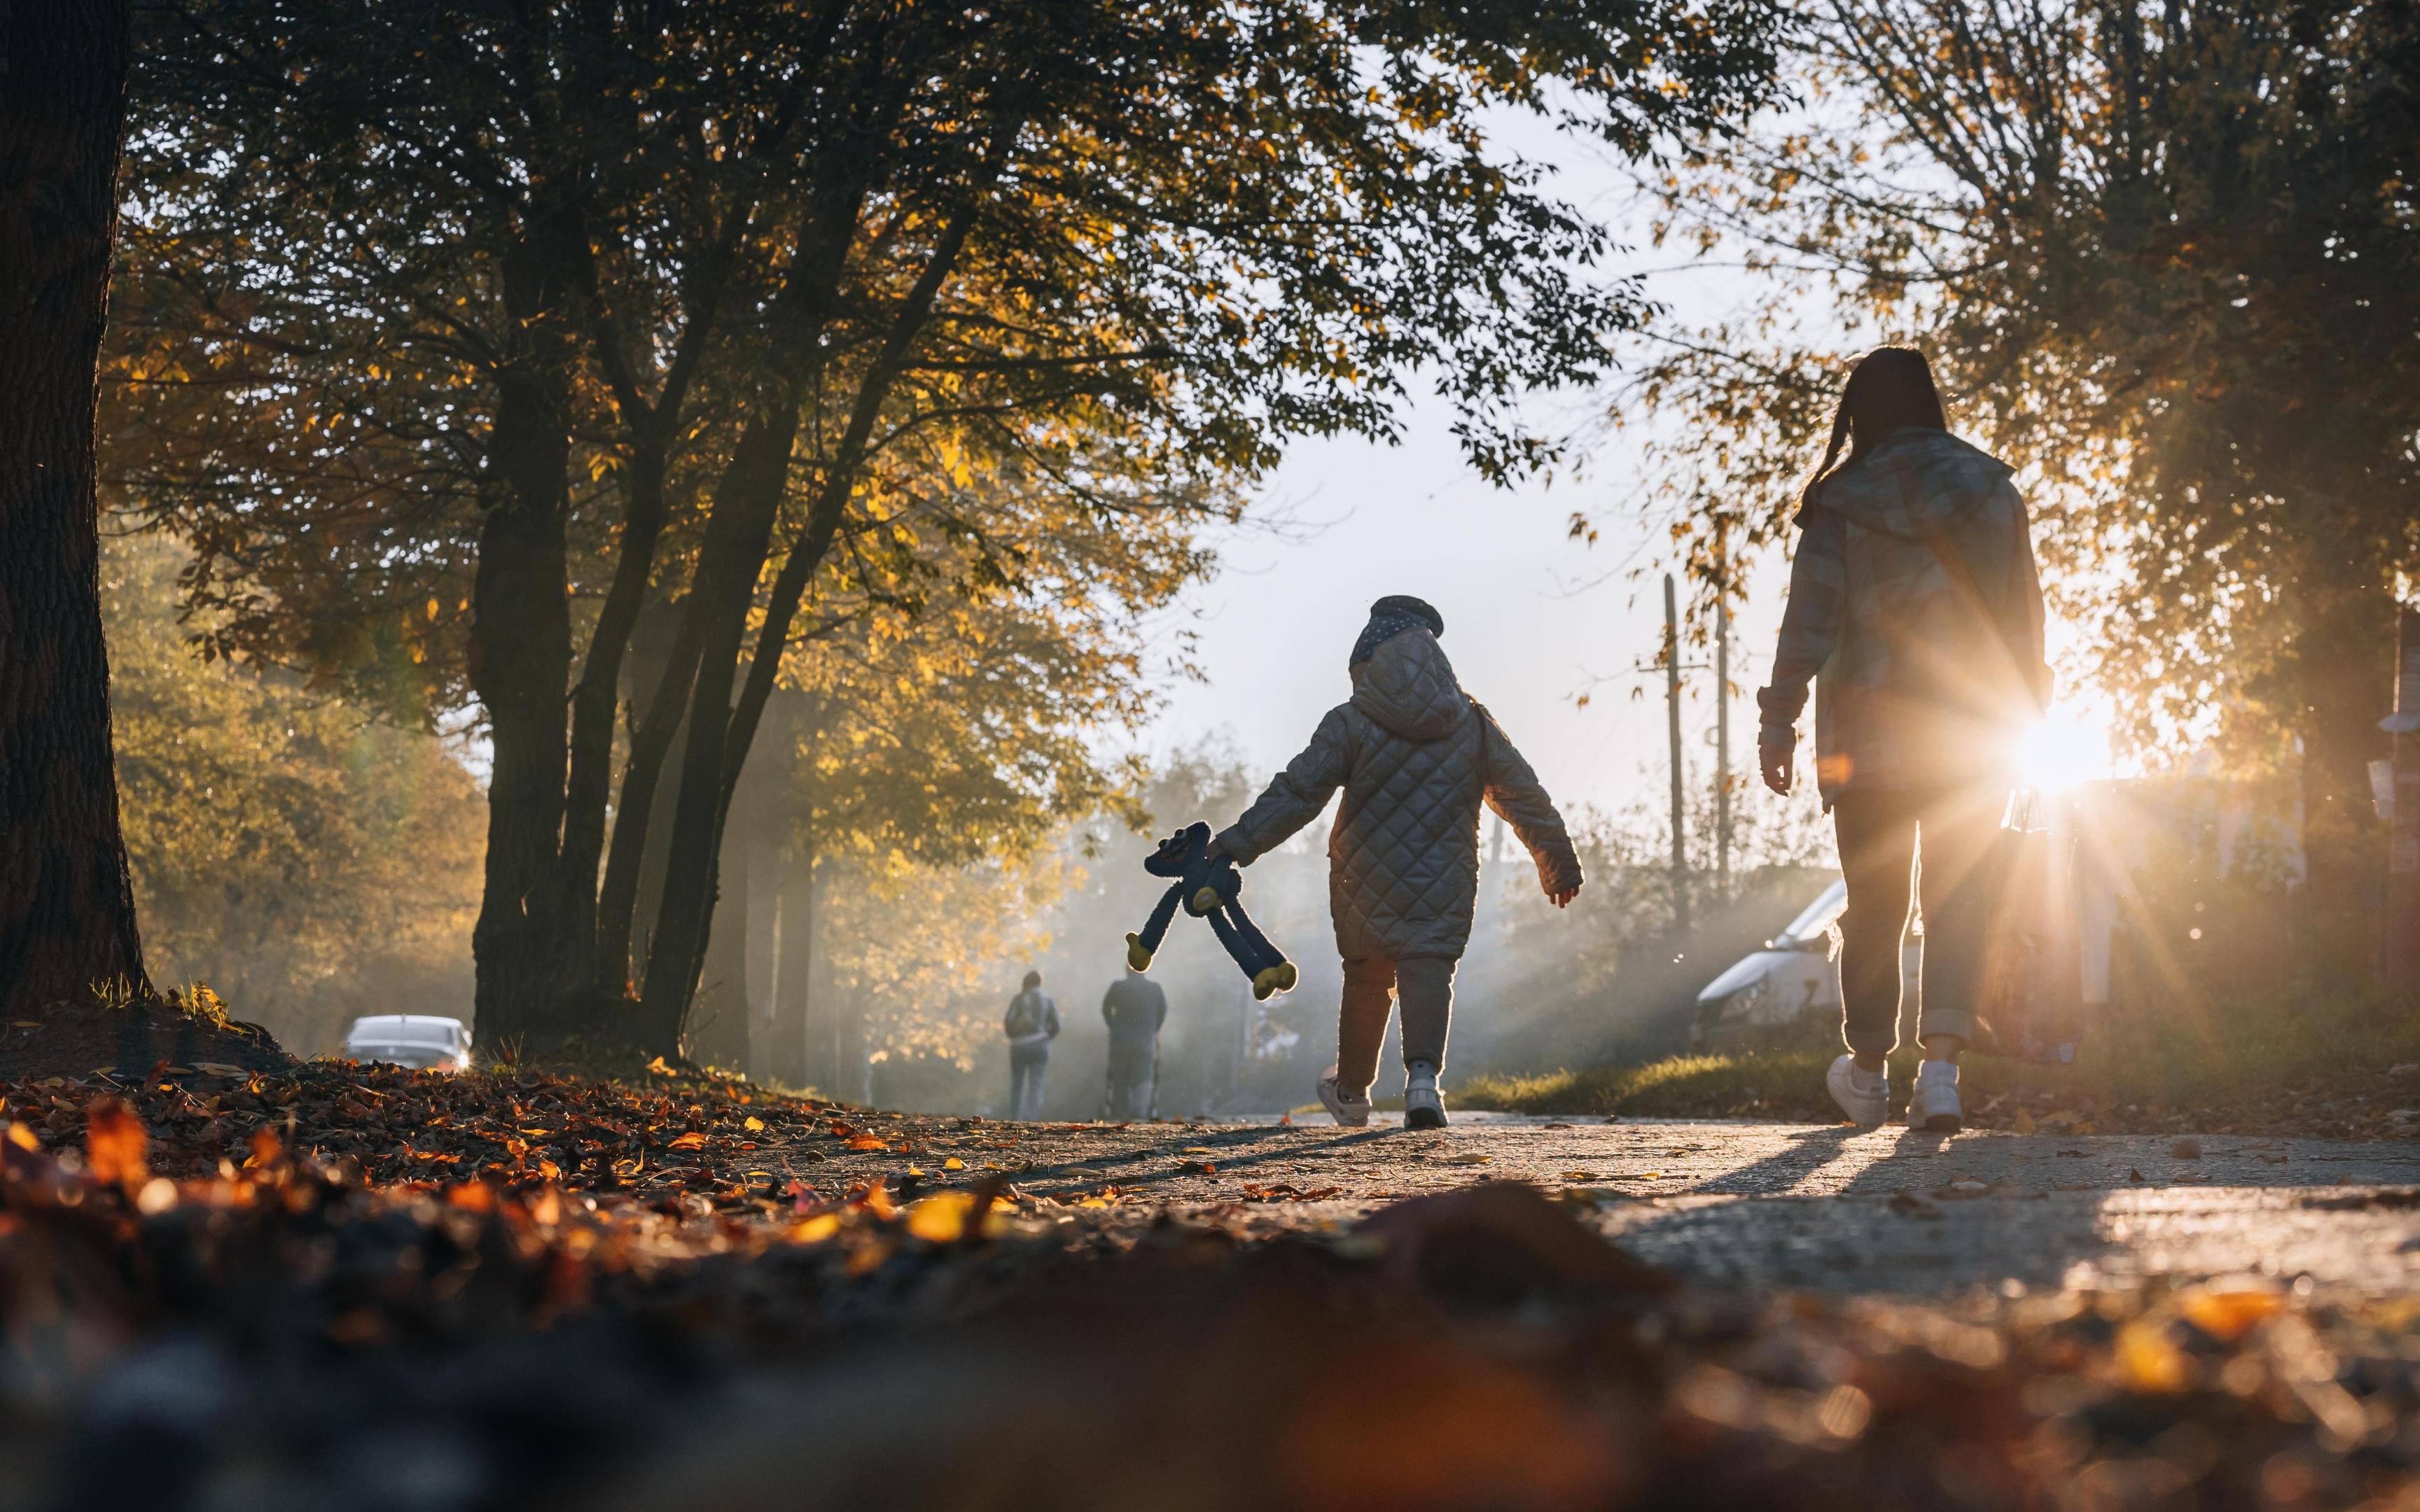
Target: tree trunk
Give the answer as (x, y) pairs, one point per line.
(733, 554)
(593, 703)
(521, 647)
(67, 899)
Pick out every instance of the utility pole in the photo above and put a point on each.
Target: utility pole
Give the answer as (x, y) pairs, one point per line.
(1680, 778)
(2403, 853)
(1723, 740)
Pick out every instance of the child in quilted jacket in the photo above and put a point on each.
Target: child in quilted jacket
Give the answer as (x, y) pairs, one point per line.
(1416, 757)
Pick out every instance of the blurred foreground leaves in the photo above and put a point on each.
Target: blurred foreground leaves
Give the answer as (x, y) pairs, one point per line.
(270, 1332)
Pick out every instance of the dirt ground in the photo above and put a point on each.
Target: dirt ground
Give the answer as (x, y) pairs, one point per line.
(347, 1287)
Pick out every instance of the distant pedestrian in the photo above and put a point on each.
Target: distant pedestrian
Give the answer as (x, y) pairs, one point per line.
(1915, 607)
(1134, 1010)
(1416, 757)
(1031, 1022)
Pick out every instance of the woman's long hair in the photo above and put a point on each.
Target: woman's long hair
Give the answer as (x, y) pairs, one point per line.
(1891, 387)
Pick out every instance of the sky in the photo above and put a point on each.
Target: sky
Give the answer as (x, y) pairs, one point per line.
(1533, 619)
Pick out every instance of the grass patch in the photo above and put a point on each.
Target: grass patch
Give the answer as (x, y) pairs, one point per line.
(2340, 1064)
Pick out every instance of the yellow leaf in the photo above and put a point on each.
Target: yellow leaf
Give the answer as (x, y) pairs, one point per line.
(753, 1125)
(2149, 1359)
(2228, 1315)
(2022, 1122)
(943, 1218)
(817, 1229)
(953, 1164)
(22, 1137)
(691, 1140)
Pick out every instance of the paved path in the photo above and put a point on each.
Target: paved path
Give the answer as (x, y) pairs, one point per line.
(1754, 1205)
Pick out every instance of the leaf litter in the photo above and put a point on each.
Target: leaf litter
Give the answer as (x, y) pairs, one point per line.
(265, 1305)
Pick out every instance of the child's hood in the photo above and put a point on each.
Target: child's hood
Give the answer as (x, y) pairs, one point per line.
(1409, 688)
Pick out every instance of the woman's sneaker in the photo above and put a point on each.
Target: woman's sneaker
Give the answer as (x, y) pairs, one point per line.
(1863, 1095)
(1353, 1111)
(1935, 1104)
(1422, 1107)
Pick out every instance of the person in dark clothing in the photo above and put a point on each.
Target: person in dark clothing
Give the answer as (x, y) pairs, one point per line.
(1031, 1022)
(1916, 610)
(1134, 1010)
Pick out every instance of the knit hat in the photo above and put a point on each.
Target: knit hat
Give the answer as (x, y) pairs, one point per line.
(1390, 617)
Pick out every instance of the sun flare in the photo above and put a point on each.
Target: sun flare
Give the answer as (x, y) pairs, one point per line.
(2063, 751)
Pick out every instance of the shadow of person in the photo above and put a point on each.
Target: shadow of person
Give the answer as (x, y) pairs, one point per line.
(1807, 1152)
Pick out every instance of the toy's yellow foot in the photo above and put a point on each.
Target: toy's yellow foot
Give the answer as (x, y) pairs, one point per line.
(1275, 979)
(1206, 901)
(1137, 957)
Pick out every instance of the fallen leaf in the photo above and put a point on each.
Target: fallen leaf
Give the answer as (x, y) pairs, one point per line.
(218, 1067)
(752, 1124)
(2024, 1122)
(2150, 1360)
(952, 1163)
(2186, 1150)
(1466, 1160)
(691, 1140)
(867, 1142)
(945, 1217)
(114, 1142)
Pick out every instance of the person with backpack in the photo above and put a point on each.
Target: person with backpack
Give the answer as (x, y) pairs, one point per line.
(1417, 758)
(1917, 610)
(1135, 1008)
(1031, 1022)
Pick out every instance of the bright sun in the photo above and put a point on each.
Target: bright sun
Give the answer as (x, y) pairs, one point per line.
(2062, 751)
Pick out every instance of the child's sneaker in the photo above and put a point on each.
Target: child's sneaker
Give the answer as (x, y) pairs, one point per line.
(1935, 1104)
(1353, 1111)
(1863, 1095)
(1422, 1107)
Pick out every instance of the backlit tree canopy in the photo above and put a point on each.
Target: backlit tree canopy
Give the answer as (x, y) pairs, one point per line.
(465, 332)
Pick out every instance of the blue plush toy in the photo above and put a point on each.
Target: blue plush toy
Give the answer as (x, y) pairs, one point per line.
(1211, 889)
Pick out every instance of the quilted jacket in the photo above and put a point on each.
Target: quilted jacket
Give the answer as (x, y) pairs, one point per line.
(1915, 606)
(1416, 757)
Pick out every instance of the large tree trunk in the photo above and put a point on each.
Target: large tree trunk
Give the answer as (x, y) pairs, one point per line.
(66, 900)
(521, 650)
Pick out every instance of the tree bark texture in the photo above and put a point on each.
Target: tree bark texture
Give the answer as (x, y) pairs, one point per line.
(521, 646)
(67, 899)
(733, 554)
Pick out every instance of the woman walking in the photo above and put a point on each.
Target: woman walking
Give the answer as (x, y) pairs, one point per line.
(1916, 608)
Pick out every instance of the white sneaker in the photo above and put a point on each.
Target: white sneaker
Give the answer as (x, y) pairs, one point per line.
(1422, 1107)
(1354, 1111)
(1863, 1095)
(1934, 1104)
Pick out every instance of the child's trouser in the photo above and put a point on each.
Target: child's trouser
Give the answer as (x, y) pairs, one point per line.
(1878, 832)
(1425, 985)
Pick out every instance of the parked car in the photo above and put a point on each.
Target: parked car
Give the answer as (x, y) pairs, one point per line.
(1793, 975)
(420, 1041)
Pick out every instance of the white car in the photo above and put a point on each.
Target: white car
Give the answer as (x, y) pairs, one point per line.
(420, 1041)
(1794, 975)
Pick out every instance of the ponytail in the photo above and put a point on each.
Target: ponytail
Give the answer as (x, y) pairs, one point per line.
(1831, 453)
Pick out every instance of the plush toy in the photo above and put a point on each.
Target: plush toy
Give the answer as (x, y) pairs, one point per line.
(1213, 890)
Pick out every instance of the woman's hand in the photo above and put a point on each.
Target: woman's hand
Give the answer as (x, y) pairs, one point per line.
(1776, 757)
(1564, 899)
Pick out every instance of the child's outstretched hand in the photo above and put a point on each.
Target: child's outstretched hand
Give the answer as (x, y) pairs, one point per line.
(1564, 899)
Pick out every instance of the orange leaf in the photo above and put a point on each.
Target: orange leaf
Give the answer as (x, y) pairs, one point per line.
(867, 1142)
(693, 1140)
(113, 1143)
